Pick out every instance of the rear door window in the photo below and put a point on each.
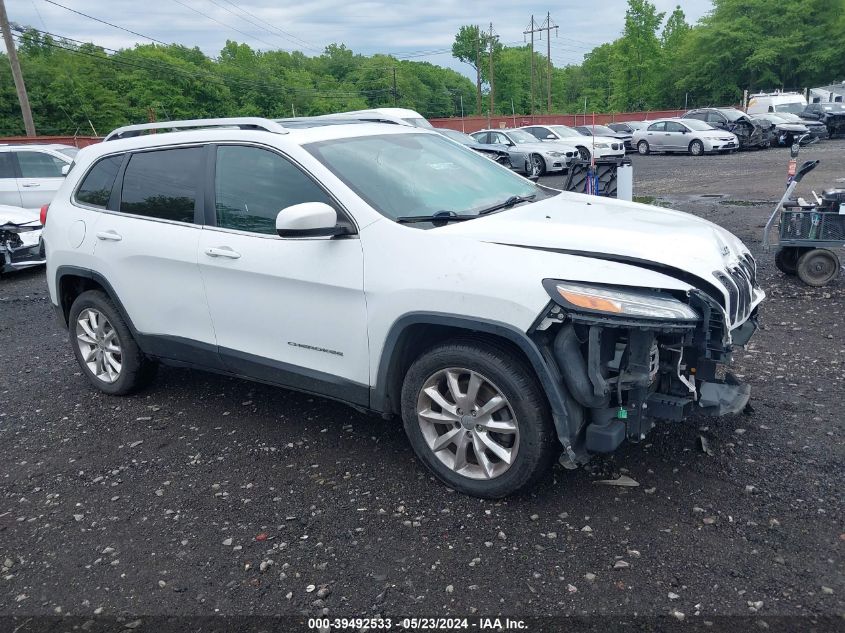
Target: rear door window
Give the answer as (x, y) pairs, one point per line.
(39, 165)
(657, 127)
(97, 186)
(163, 184)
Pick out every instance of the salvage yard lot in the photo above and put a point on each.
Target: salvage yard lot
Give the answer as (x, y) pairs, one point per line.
(207, 495)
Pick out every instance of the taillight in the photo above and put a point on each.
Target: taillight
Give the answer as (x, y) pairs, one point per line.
(43, 216)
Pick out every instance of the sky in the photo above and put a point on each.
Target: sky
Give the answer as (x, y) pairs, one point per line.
(421, 31)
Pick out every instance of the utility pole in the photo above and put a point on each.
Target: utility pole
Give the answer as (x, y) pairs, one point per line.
(492, 84)
(548, 25)
(20, 86)
(533, 27)
(478, 70)
(394, 86)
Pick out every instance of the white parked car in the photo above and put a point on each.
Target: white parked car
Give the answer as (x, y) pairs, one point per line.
(400, 116)
(31, 174)
(542, 158)
(388, 267)
(601, 146)
(683, 135)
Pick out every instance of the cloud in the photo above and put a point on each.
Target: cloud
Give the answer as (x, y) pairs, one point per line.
(399, 27)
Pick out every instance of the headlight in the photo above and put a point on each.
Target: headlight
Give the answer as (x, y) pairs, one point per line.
(624, 302)
(602, 146)
(554, 154)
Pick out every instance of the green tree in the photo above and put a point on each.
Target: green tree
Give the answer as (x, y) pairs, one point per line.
(636, 61)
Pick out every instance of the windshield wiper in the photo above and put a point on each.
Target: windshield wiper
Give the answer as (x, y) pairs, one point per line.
(440, 216)
(507, 204)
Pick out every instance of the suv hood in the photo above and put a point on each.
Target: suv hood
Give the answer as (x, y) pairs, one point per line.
(612, 229)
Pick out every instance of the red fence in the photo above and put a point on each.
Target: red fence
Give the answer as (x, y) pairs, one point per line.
(76, 141)
(474, 123)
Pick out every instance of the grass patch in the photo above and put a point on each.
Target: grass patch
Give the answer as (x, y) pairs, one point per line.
(652, 200)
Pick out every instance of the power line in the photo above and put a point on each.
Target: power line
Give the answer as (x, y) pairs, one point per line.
(91, 17)
(228, 26)
(240, 17)
(292, 37)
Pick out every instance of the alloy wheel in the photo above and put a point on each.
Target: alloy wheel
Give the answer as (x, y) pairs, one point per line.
(99, 345)
(468, 423)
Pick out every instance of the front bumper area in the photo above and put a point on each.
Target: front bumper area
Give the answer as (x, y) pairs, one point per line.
(15, 254)
(624, 376)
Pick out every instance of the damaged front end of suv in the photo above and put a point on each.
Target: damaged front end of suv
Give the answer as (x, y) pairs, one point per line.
(628, 357)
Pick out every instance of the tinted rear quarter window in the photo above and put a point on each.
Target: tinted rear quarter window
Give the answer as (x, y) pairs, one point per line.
(7, 165)
(97, 186)
(163, 184)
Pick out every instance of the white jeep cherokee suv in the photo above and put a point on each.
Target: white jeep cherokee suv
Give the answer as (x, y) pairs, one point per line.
(385, 266)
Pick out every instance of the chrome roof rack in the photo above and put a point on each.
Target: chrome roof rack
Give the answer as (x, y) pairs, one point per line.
(240, 123)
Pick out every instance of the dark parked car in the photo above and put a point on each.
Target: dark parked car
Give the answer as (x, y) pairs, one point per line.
(817, 129)
(498, 154)
(831, 114)
(782, 131)
(605, 130)
(628, 127)
(749, 133)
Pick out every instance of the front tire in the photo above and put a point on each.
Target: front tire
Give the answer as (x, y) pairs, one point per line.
(583, 152)
(104, 347)
(696, 148)
(477, 418)
(643, 148)
(537, 165)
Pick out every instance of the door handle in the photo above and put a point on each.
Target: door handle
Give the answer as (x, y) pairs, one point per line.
(222, 251)
(31, 184)
(109, 236)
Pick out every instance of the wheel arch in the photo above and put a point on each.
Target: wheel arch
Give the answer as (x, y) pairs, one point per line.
(72, 281)
(413, 334)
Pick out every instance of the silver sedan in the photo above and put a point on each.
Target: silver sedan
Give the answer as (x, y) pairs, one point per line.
(542, 157)
(688, 135)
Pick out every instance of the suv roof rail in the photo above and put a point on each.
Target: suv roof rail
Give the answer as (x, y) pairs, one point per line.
(241, 123)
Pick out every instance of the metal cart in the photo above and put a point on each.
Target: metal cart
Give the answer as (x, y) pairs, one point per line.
(807, 233)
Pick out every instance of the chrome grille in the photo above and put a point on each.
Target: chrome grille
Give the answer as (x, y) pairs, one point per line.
(614, 145)
(739, 282)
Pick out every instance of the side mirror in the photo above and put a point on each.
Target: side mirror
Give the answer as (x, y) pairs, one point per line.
(551, 137)
(309, 219)
(65, 170)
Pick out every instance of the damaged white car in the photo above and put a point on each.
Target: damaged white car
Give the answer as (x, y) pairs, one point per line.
(507, 323)
(20, 239)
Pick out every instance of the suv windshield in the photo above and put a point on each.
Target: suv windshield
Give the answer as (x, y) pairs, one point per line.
(460, 137)
(407, 175)
(418, 122)
(562, 130)
(520, 136)
(698, 126)
(795, 107)
(600, 130)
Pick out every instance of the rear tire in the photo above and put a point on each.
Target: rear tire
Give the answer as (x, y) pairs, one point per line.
(818, 267)
(643, 148)
(452, 434)
(104, 347)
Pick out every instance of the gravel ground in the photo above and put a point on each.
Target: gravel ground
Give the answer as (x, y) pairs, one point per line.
(207, 495)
